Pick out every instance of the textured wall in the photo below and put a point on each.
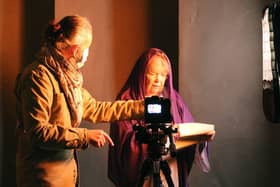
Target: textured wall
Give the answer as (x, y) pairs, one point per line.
(10, 57)
(220, 76)
(21, 23)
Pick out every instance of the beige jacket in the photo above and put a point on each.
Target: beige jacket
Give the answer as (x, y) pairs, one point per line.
(47, 142)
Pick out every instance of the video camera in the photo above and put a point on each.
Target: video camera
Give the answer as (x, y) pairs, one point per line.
(157, 110)
(158, 128)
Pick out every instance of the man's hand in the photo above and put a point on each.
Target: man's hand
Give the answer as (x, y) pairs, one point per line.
(98, 138)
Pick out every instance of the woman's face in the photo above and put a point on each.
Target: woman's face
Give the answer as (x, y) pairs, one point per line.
(155, 76)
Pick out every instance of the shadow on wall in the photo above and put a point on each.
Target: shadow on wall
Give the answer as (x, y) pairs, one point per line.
(130, 37)
(35, 14)
(163, 31)
(139, 25)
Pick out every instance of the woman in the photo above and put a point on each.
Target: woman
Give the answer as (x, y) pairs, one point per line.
(151, 75)
(51, 103)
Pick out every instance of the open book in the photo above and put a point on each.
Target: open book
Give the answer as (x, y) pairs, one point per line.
(193, 133)
(193, 129)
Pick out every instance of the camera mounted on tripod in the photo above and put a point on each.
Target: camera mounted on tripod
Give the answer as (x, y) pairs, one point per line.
(157, 128)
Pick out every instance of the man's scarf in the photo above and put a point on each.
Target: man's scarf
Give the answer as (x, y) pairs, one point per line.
(69, 78)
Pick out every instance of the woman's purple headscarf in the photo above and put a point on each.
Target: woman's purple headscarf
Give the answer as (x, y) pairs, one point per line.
(134, 86)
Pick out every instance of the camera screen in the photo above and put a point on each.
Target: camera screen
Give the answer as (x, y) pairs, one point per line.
(154, 109)
(157, 110)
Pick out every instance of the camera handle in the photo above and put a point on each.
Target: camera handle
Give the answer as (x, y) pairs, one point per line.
(172, 146)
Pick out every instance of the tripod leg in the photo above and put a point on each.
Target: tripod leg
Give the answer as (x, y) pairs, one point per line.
(156, 173)
(146, 167)
(167, 172)
(156, 180)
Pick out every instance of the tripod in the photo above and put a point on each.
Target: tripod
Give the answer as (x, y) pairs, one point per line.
(155, 165)
(156, 137)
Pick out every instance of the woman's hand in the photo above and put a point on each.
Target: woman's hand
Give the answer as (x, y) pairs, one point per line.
(211, 135)
(98, 138)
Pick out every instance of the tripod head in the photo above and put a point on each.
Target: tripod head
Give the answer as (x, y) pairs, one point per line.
(157, 136)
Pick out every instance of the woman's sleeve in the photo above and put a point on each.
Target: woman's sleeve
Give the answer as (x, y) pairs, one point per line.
(36, 97)
(201, 157)
(96, 111)
(125, 158)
